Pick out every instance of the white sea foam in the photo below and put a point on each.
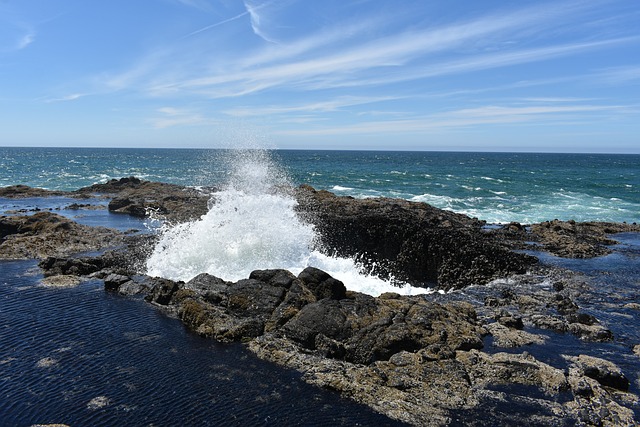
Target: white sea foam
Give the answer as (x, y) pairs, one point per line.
(252, 224)
(341, 188)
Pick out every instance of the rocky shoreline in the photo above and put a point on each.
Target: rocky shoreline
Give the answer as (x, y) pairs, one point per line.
(420, 360)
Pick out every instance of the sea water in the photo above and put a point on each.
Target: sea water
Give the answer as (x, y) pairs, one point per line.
(495, 187)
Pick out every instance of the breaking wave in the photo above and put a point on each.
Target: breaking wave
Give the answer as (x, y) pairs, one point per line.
(252, 224)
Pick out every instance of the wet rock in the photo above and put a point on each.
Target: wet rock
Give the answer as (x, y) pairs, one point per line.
(61, 281)
(505, 337)
(510, 321)
(636, 350)
(412, 358)
(133, 287)
(506, 368)
(321, 284)
(141, 198)
(594, 333)
(163, 290)
(572, 239)
(593, 404)
(113, 281)
(606, 373)
(45, 234)
(23, 191)
(410, 241)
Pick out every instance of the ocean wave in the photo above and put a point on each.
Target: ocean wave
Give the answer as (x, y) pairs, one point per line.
(341, 188)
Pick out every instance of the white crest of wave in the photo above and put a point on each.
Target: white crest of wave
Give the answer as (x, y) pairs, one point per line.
(252, 224)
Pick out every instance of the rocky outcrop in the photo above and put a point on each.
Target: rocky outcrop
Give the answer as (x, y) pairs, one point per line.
(45, 234)
(568, 239)
(22, 191)
(410, 358)
(410, 241)
(416, 359)
(140, 198)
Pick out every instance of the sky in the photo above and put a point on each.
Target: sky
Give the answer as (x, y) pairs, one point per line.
(455, 75)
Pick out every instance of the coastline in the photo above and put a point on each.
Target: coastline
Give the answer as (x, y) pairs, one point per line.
(416, 360)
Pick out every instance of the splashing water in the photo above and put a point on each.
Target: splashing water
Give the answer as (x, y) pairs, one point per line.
(251, 225)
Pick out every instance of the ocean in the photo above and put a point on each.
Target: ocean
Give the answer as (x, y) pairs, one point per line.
(495, 187)
(84, 357)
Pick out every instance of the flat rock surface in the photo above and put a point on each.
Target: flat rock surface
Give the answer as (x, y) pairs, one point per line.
(45, 234)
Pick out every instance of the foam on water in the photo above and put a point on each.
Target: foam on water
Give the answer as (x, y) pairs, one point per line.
(251, 225)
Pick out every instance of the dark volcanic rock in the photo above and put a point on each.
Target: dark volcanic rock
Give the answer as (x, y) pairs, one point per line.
(144, 198)
(568, 239)
(603, 371)
(22, 191)
(411, 241)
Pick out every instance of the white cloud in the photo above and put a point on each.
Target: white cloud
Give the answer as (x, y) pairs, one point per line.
(170, 116)
(71, 97)
(198, 4)
(257, 22)
(619, 75)
(470, 117)
(26, 40)
(320, 106)
(409, 55)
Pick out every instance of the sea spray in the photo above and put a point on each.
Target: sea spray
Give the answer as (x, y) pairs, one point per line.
(252, 224)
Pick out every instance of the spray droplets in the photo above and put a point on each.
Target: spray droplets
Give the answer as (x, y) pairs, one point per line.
(251, 225)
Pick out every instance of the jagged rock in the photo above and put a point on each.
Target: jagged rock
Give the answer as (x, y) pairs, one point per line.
(573, 239)
(595, 333)
(321, 284)
(113, 281)
(510, 338)
(636, 350)
(603, 371)
(163, 290)
(506, 368)
(593, 405)
(45, 234)
(140, 198)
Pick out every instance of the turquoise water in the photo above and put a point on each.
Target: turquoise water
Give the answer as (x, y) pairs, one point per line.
(496, 187)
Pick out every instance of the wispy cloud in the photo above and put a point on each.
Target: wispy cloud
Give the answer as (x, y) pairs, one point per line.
(26, 40)
(67, 98)
(15, 36)
(409, 55)
(170, 116)
(321, 106)
(217, 24)
(198, 4)
(619, 75)
(462, 118)
(257, 20)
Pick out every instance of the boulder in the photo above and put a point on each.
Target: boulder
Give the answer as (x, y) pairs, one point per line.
(606, 373)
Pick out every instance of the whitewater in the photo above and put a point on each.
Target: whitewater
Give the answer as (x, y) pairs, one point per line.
(252, 225)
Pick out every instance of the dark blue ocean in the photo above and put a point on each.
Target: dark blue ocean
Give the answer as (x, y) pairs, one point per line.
(81, 356)
(496, 187)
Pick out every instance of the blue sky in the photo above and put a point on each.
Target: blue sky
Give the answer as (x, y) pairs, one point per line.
(555, 76)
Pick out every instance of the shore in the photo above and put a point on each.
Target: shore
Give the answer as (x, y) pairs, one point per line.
(421, 360)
